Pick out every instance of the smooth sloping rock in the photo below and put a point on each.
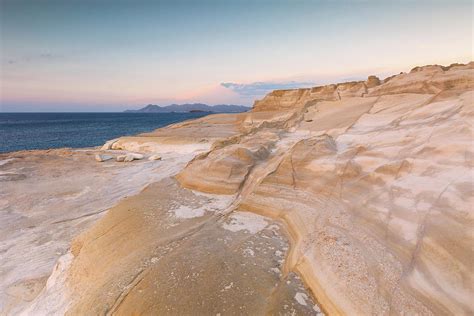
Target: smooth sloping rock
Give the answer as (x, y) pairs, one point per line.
(372, 181)
(377, 194)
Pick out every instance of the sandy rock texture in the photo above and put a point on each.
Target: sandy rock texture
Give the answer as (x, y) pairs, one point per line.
(357, 196)
(153, 254)
(49, 197)
(374, 183)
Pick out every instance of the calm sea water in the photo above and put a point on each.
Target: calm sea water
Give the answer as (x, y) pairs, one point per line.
(20, 131)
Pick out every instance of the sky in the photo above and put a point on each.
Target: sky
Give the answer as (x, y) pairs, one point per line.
(111, 55)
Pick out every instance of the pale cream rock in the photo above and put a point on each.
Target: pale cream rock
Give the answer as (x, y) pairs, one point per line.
(120, 158)
(376, 189)
(129, 157)
(154, 157)
(371, 179)
(102, 158)
(108, 145)
(133, 156)
(56, 195)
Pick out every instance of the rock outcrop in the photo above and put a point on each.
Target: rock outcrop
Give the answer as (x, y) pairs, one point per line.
(371, 180)
(375, 189)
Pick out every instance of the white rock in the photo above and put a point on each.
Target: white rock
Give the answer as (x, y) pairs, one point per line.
(120, 158)
(301, 298)
(108, 144)
(132, 156)
(128, 158)
(101, 158)
(154, 157)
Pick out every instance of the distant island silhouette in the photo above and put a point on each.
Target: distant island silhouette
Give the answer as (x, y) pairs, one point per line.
(191, 107)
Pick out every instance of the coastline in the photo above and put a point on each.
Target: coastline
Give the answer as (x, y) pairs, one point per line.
(49, 197)
(49, 299)
(55, 130)
(324, 162)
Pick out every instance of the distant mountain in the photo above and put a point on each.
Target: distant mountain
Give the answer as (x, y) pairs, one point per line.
(194, 107)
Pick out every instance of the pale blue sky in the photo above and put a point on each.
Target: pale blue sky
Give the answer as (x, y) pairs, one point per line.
(111, 55)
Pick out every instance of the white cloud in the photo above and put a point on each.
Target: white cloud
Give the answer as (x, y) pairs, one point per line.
(257, 89)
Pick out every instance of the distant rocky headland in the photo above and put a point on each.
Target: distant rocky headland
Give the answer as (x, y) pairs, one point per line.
(191, 107)
(352, 198)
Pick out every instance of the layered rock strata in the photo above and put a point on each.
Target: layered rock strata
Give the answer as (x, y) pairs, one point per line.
(375, 190)
(371, 180)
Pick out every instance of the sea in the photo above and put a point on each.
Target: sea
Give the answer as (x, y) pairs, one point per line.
(26, 131)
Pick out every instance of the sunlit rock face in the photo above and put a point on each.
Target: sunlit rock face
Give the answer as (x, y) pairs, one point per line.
(224, 170)
(375, 187)
(361, 191)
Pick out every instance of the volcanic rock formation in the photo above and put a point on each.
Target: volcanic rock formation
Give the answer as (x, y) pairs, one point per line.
(371, 180)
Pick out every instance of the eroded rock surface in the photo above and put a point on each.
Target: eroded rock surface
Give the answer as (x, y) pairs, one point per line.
(364, 190)
(375, 188)
(49, 197)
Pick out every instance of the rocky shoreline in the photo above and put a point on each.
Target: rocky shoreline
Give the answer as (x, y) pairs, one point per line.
(47, 197)
(355, 195)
